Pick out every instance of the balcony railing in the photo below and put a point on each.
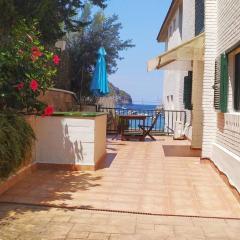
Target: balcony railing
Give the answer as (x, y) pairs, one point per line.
(164, 125)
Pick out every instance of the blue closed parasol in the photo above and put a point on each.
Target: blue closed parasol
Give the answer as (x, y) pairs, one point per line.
(99, 84)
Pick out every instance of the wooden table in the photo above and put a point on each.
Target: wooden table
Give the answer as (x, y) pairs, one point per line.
(124, 118)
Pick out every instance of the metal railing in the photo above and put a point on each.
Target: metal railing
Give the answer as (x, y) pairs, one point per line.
(164, 125)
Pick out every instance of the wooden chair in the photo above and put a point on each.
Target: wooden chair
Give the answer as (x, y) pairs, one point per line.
(146, 129)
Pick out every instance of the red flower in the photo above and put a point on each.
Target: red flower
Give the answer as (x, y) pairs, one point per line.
(48, 111)
(56, 59)
(36, 53)
(20, 86)
(34, 85)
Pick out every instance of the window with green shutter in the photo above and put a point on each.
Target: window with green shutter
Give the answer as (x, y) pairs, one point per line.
(224, 83)
(187, 94)
(221, 83)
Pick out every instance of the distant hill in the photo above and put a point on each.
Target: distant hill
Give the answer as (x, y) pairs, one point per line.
(121, 97)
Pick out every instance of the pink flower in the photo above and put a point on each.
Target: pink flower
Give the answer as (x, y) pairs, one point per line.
(20, 86)
(48, 111)
(56, 59)
(34, 85)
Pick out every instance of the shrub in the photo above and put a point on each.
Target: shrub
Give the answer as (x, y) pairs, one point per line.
(16, 138)
(27, 69)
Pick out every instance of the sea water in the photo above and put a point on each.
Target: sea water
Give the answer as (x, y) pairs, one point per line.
(138, 107)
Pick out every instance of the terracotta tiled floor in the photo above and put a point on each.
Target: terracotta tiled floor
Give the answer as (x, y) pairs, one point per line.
(42, 223)
(151, 177)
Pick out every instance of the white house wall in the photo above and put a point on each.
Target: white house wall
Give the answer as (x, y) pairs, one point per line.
(228, 130)
(228, 30)
(188, 27)
(221, 132)
(174, 80)
(174, 38)
(173, 88)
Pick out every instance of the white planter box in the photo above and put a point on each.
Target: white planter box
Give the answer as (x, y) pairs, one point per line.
(71, 141)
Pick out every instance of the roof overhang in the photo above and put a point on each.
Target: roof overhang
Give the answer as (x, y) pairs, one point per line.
(163, 33)
(180, 57)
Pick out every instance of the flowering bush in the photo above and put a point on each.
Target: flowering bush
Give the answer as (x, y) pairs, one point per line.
(27, 70)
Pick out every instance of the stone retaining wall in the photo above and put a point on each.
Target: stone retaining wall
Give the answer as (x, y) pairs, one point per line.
(61, 100)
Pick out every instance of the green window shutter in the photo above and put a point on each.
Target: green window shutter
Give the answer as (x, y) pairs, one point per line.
(187, 94)
(224, 83)
(216, 86)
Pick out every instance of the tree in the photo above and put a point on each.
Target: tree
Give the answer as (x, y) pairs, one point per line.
(55, 17)
(83, 46)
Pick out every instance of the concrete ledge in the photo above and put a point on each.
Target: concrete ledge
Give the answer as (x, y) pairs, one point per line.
(224, 177)
(17, 177)
(228, 163)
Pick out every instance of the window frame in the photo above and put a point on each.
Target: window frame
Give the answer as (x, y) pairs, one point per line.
(235, 81)
(232, 76)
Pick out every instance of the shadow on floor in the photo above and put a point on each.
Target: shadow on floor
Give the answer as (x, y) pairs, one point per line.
(108, 161)
(52, 187)
(49, 188)
(112, 149)
(180, 151)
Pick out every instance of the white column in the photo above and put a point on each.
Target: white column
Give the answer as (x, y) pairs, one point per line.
(197, 116)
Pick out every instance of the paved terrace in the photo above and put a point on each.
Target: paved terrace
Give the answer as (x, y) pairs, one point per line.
(163, 178)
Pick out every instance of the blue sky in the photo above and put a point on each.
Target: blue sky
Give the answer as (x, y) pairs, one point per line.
(141, 22)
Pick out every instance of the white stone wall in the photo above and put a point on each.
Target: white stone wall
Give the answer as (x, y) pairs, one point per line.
(209, 115)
